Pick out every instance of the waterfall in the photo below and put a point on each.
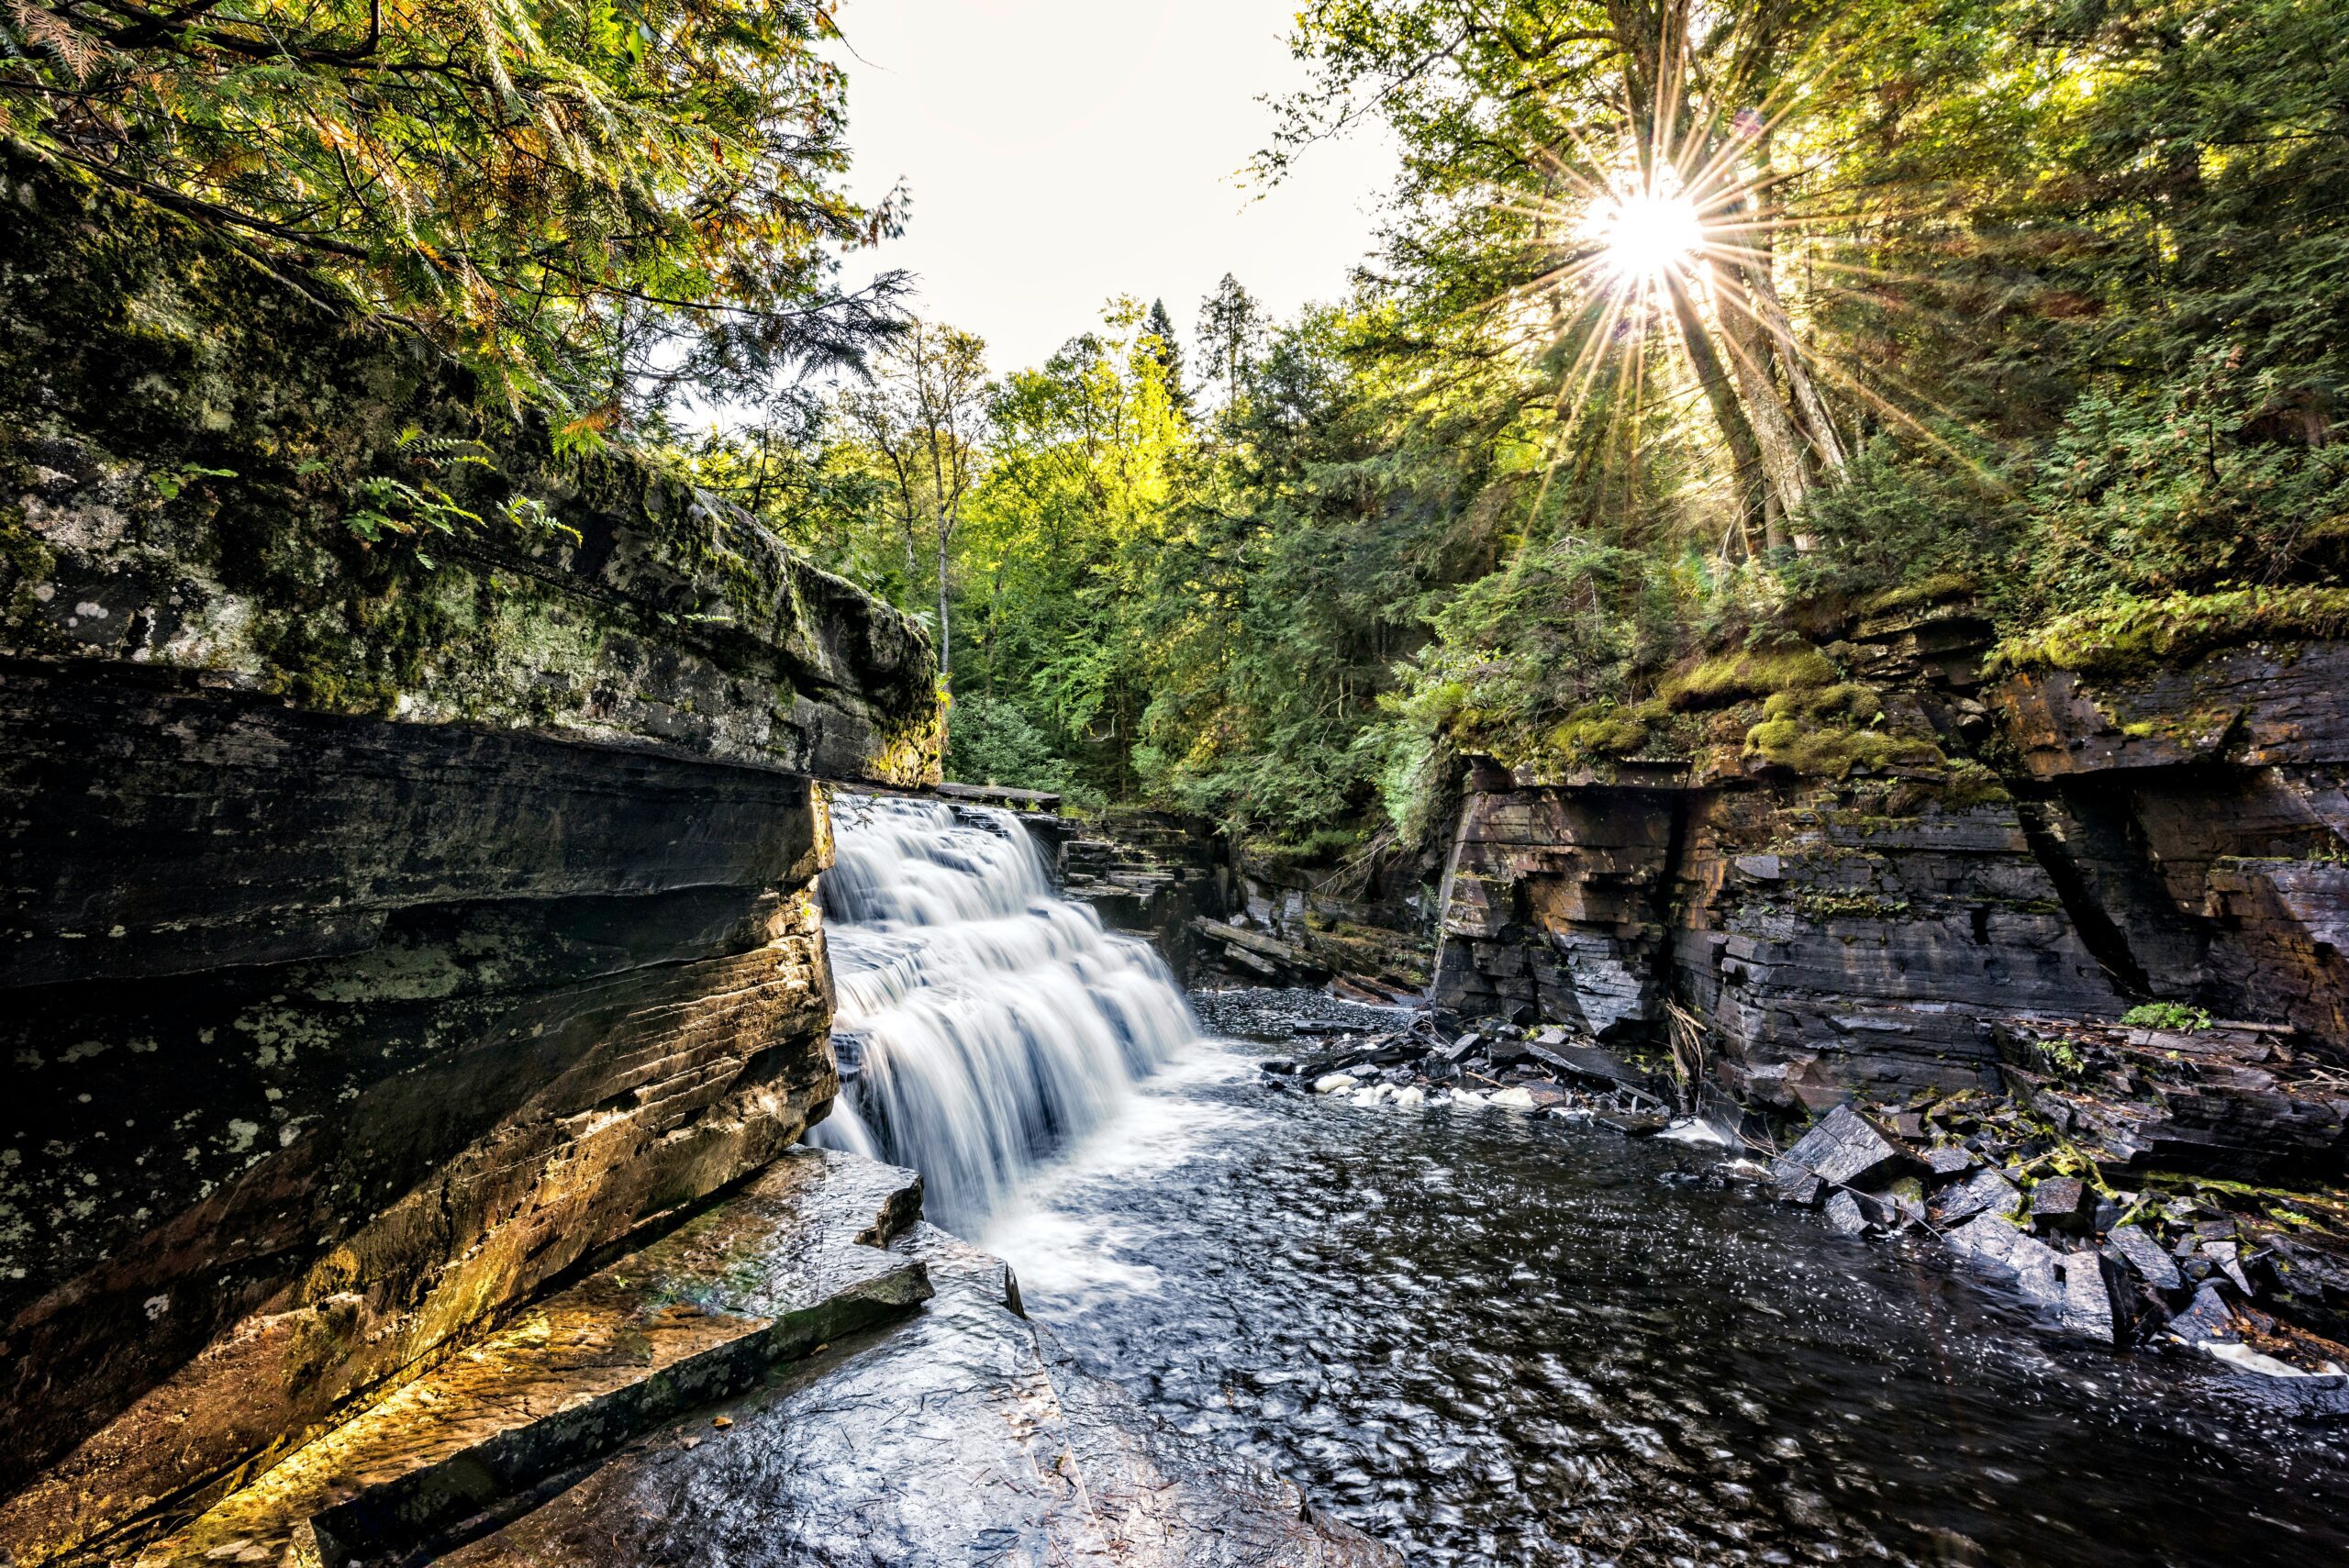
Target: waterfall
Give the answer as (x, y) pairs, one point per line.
(983, 1021)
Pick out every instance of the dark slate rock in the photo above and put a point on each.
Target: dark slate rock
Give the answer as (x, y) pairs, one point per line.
(2209, 1318)
(1847, 1148)
(2096, 1298)
(1985, 1192)
(1795, 1184)
(2061, 1203)
(2226, 1256)
(1949, 1160)
(2143, 1255)
(1846, 1216)
(1994, 1245)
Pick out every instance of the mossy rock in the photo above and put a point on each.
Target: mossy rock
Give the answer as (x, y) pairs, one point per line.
(2131, 635)
(209, 465)
(1752, 672)
(1813, 750)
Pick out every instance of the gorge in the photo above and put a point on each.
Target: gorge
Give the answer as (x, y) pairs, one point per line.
(1669, 887)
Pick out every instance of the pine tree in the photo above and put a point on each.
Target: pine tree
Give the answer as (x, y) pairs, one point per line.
(1168, 351)
(1231, 331)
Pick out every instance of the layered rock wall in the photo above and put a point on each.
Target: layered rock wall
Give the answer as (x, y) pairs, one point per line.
(2173, 833)
(410, 822)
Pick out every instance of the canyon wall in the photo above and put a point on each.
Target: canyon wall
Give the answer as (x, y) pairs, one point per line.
(1876, 909)
(410, 814)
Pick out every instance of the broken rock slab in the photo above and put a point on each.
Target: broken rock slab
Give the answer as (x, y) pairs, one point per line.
(1985, 1192)
(1993, 1244)
(2143, 1255)
(2097, 1298)
(963, 1434)
(1848, 1150)
(798, 1259)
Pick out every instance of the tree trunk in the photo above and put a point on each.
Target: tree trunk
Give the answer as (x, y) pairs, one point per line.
(945, 639)
(1745, 455)
(1783, 462)
(1811, 409)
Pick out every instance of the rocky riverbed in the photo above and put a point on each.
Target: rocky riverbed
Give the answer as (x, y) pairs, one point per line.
(1491, 1338)
(2025, 1188)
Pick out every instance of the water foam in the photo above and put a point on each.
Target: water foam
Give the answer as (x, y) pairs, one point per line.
(995, 1022)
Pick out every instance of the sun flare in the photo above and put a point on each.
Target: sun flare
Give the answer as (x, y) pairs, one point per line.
(1647, 234)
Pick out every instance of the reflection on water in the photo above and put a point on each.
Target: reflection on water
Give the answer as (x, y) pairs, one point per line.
(1497, 1340)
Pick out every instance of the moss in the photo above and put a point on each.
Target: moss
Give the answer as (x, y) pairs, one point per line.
(2129, 635)
(1607, 730)
(1849, 706)
(1815, 751)
(1750, 672)
(1970, 784)
(1941, 588)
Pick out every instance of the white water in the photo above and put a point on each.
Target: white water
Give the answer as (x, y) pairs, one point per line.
(998, 1023)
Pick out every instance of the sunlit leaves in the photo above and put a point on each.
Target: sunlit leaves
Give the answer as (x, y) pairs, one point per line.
(561, 190)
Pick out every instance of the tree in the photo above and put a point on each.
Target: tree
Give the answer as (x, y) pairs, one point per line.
(1232, 329)
(593, 205)
(923, 413)
(1159, 328)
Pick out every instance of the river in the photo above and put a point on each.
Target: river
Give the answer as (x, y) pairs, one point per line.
(1497, 1339)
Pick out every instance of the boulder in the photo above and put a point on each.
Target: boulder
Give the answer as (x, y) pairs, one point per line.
(1993, 1244)
(2144, 1255)
(2097, 1298)
(2209, 1320)
(1796, 1183)
(1845, 1216)
(2062, 1203)
(1985, 1192)
(1950, 1160)
(1845, 1149)
(2227, 1257)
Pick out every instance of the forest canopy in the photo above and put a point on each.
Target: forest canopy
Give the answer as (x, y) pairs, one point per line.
(1692, 330)
(599, 204)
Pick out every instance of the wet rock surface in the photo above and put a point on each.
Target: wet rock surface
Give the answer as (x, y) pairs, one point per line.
(1492, 1339)
(800, 1258)
(963, 1434)
(393, 926)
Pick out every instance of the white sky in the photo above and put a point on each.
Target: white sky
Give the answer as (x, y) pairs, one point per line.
(1063, 151)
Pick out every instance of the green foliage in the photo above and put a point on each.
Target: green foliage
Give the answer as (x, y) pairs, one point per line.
(2069, 285)
(596, 204)
(2173, 1017)
(990, 741)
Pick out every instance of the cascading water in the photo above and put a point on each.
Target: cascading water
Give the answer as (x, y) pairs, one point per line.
(993, 1022)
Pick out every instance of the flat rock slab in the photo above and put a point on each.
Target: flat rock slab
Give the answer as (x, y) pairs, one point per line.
(1991, 1243)
(1847, 1149)
(800, 1257)
(961, 1435)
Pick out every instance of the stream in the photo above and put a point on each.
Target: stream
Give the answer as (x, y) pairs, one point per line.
(1495, 1340)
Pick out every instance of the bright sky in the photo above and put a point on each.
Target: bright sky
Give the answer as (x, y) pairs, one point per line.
(1063, 152)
